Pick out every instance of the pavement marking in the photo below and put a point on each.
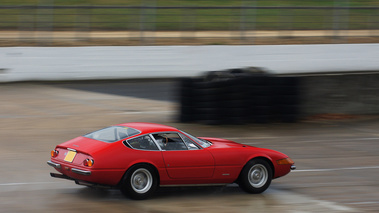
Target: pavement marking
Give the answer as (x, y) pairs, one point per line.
(337, 169)
(339, 140)
(335, 206)
(299, 201)
(364, 203)
(304, 141)
(25, 183)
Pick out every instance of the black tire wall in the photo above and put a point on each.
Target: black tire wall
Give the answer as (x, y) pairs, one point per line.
(238, 97)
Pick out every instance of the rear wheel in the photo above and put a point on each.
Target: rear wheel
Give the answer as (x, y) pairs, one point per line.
(256, 176)
(139, 182)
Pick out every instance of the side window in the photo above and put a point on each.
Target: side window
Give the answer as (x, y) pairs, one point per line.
(144, 142)
(170, 141)
(190, 144)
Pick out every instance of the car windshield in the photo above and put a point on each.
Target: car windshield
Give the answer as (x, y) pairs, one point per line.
(112, 134)
(201, 142)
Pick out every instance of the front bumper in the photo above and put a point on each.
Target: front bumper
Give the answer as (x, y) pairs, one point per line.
(74, 170)
(293, 167)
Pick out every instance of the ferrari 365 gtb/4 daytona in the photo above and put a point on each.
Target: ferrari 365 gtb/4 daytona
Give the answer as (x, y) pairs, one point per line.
(137, 158)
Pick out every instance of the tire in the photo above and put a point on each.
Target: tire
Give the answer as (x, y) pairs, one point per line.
(139, 182)
(256, 176)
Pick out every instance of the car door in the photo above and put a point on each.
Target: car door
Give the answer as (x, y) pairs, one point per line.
(183, 158)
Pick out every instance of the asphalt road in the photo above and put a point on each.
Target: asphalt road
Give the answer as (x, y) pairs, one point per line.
(337, 161)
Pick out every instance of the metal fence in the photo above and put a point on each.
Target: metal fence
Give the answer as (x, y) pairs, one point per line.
(153, 24)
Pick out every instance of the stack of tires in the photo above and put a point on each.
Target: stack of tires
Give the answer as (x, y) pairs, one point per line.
(260, 98)
(238, 96)
(187, 100)
(286, 98)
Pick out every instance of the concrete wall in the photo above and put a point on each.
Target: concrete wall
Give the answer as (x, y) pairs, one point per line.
(79, 63)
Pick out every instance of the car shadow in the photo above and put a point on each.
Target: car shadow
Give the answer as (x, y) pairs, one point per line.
(164, 192)
(197, 191)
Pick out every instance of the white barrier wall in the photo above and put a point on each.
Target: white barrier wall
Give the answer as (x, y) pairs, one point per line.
(108, 62)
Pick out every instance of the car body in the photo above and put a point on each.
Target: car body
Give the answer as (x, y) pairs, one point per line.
(140, 157)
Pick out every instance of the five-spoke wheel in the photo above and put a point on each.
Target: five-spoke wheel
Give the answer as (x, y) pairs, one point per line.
(255, 176)
(139, 182)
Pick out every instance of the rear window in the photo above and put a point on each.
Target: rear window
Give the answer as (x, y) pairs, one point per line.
(112, 133)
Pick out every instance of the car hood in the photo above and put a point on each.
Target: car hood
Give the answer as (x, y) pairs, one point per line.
(85, 145)
(223, 143)
(218, 143)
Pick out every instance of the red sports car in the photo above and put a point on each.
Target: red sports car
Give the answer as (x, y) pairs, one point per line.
(137, 158)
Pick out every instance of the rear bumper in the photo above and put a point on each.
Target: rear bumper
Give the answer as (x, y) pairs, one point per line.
(74, 170)
(55, 165)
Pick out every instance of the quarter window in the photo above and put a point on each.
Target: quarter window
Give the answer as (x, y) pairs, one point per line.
(190, 144)
(201, 142)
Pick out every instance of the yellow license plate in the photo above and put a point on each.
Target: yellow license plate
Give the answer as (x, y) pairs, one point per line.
(70, 156)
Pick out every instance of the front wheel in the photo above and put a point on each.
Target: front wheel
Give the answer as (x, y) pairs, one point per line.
(256, 176)
(139, 182)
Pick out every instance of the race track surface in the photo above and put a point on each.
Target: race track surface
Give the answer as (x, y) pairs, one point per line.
(337, 161)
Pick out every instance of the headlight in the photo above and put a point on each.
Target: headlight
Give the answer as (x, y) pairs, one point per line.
(285, 161)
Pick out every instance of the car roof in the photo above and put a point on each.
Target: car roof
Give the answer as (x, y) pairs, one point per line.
(148, 127)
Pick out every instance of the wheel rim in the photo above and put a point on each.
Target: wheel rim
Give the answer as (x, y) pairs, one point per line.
(141, 180)
(258, 175)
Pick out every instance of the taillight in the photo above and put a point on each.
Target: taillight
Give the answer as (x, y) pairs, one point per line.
(54, 153)
(88, 162)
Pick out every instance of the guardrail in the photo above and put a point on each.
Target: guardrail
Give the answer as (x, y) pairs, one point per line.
(148, 24)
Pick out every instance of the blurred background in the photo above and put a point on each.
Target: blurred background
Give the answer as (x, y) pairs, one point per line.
(148, 22)
(68, 67)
